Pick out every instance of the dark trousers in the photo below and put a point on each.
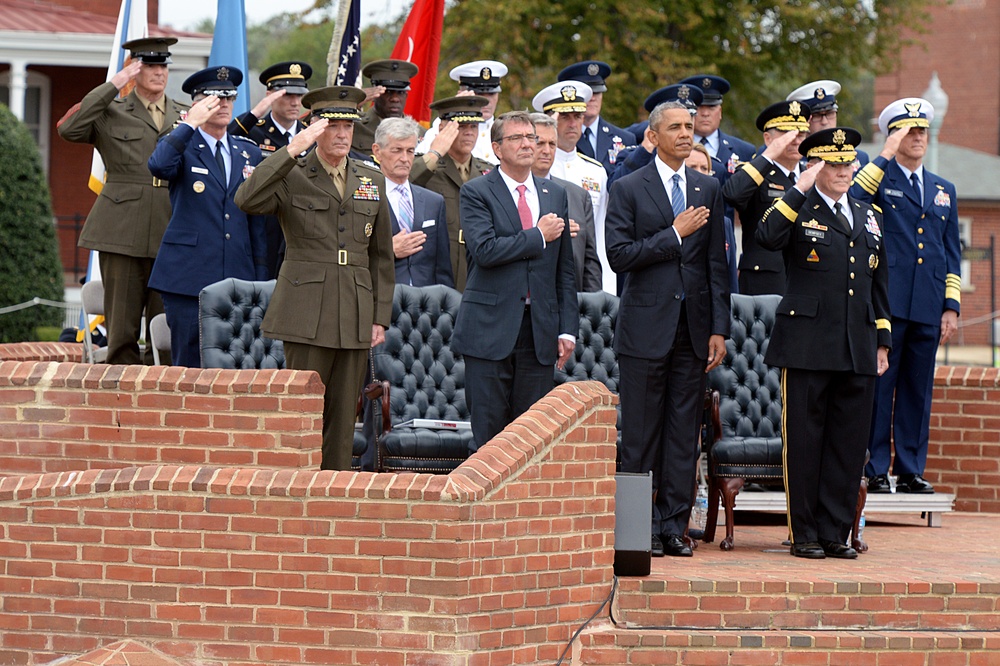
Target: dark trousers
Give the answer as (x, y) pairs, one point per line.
(903, 400)
(662, 403)
(759, 283)
(341, 371)
(125, 297)
(825, 422)
(497, 392)
(182, 318)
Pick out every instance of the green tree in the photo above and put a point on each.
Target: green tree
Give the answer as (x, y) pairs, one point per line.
(765, 48)
(29, 255)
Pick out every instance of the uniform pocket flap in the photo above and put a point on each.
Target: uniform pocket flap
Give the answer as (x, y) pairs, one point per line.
(310, 203)
(119, 192)
(363, 279)
(795, 305)
(300, 274)
(125, 133)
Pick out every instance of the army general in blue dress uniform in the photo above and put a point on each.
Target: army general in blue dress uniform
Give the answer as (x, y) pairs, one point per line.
(922, 239)
(208, 237)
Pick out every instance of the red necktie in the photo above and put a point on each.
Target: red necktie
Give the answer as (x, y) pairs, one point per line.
(523, 211)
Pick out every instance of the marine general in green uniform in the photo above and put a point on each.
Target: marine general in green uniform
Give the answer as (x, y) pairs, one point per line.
(394, 76)
(333, 298)
(448, 164)
(131, 213)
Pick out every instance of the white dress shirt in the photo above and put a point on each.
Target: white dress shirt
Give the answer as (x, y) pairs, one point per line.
(667, 178)
(211, 142)
(845, 206)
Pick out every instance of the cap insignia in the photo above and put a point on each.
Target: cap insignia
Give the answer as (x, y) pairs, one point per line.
(593, 69)
(568, 93)
(794, 108)
(683, 92)
(343, 94)
(486, 74)
(706, 83)
(394, 66)
(913, 109)
(820, 93)
(295, 69)
(223, 74)
(839, 137)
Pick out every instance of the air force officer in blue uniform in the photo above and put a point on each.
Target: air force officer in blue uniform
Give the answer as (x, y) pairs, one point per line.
(208, 237)
(922, 240)
(600, 139)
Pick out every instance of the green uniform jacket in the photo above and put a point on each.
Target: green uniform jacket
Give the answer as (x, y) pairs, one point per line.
(446, 180)
(339, 270)
(131, 213)
(364, 132)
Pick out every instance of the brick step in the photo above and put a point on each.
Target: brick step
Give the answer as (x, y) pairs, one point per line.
(613, 646)
(815, 604)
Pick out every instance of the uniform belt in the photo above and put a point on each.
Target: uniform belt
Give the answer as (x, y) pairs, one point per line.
(137, 180)
(340, 257)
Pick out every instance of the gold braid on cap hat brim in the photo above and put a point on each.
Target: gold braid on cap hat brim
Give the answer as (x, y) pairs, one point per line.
(787, 123)
(463, 118)
(337, 114)
(909, 122)
(566, 107)
(835, 154)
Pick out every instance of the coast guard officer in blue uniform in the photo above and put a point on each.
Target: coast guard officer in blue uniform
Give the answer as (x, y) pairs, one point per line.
(727, 151)
(821, 98)
(600, 140)
(208, 237)
(922, 239)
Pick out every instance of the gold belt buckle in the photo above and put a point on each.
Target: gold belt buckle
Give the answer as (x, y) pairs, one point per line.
(461, 237)
(157, 182)
(342, 257)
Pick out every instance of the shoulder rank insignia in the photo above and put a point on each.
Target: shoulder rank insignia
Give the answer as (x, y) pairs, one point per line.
(871, 225)
(813, 224)
(370, 165)
(942, 198)
(813, 257)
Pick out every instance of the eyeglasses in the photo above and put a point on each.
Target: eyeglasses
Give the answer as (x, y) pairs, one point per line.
(518, 138)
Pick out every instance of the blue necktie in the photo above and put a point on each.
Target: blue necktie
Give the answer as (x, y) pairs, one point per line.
(916, 187)
(677, 197)
(405, 212)
(219, 160)
(588, 143)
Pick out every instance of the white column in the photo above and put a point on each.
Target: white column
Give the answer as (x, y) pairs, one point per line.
(18, 84)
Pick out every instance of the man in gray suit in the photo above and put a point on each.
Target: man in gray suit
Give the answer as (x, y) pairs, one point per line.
(519, 311)
(581, 207)
(419, 224)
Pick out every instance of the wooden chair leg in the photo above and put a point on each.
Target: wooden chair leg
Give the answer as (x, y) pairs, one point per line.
(730, 489)
(714, 497)
(856, 543)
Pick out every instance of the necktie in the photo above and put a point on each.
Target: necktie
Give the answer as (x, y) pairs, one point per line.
(916, 187)
(219, 160)
(405, 213)
(523, 211)
(588, 148)
(704, 141)
(463, 170)
(791, 176)
(676, 196)
(157, 117)
(842, 217)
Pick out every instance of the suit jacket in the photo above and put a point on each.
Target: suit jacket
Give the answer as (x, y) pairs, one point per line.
(446, 180)
(208, 238)
(268, 136)
(338, 275)
(835, 313)
(662, 275)
(132, 211)
(585, 259)
(921, 238)
(751, 190)
(611, 139)
(432, 264)
(507, 262)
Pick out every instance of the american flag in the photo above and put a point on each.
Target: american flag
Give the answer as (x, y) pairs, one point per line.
(344, 59)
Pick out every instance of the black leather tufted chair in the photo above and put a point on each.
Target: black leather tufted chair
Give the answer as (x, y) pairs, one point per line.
(426, 379)
(230, 313)
(593, 358)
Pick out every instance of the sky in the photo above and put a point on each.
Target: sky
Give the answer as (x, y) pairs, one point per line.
(185, 14)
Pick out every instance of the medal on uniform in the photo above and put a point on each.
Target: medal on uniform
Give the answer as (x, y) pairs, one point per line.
(247, 170)
(198, 186)
(872, 261)
(616, 147)
(733, 164)
(871, 225)
(367, 190)
(368, 230)
(942, 198)
(590, 184)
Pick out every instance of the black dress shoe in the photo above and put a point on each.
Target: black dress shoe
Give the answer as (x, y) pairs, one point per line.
(674, 545)
(879, 484)
(657, 550)
(810, 550)
(913, 483)
(839, 550)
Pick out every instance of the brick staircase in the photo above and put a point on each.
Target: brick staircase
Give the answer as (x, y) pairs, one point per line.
(920, 596)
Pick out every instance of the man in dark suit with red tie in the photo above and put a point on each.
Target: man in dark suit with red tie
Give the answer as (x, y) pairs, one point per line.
(665, 233)
(519, 310)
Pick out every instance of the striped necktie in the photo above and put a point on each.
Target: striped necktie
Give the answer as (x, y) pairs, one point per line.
(405, 213)
(676, 196)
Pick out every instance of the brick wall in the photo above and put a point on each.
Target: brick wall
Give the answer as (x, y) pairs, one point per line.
(496, 563)
(964, 453)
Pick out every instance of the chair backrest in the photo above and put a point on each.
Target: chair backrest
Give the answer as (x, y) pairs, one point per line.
(159, 337)
(594, 357)
(230, 314)
(749, 391)
(427, 378)
(92, 297)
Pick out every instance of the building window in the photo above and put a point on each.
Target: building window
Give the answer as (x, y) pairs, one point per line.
(37, 109)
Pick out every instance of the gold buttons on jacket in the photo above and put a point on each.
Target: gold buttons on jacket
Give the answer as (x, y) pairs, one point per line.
(852, 276)
(852, 260)
(920, 246)
(920, 260)
(920, 230)
(850, 292)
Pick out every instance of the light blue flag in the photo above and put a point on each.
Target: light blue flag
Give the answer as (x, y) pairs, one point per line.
(229, 47)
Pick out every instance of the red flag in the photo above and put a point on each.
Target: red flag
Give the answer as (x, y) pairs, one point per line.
(420, 43)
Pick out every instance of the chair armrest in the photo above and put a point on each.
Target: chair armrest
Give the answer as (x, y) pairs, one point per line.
(711, 421)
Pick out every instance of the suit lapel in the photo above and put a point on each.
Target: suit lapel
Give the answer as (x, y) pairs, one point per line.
(418, 208)
(499, 190)
(695, 195)
(451, 171)
(238, 159)
(656, 192)
(857, 212)
(171, 117)
(137, 108)
(207, 156)
(322, 179)
(900, 182)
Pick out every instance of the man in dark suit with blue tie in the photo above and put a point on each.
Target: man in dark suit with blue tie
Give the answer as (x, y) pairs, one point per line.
(925, 290)
(419, 226)
(519, 310)
(600, 139)
(208, 238)
(665, 233)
